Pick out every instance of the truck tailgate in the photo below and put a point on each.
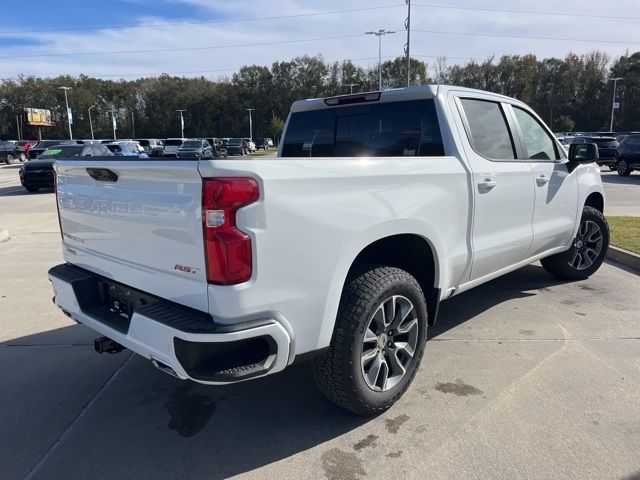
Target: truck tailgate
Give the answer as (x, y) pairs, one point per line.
(137, 222)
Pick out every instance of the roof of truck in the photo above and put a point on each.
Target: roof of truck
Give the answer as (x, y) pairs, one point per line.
(419, 92)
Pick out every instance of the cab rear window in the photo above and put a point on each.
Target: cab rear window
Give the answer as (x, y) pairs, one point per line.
(398, 129)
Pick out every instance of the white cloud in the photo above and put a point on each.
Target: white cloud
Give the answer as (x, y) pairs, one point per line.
(286, 29)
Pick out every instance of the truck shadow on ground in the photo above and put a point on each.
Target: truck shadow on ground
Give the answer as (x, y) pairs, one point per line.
(525, 282)
(146, 424)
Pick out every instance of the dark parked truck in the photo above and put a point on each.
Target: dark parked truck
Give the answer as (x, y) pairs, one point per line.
(378, 207)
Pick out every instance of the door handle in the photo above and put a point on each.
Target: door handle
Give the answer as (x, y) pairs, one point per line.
(542, 180)
(487, 185)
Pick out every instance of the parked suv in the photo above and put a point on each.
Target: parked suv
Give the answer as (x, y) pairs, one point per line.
(628, 155)
(10, 153)
(237, 146)
(607, 149)
(195, 149)
(38, 173)
(384, 205)
(262, 143)
(152, 146)
(171, 146)
(42, 145)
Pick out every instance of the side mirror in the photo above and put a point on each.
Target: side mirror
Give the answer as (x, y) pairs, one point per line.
(580, 153)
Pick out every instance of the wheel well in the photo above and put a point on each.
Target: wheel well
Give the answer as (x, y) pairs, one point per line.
(412, 254)
(596, 201)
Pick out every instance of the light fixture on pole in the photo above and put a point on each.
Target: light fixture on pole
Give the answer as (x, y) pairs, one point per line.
(614, 104)
(380, 33)
(250, 123)
(69, 115)
(351, 85)
(407, 26)
(181, 122)
(90, 122)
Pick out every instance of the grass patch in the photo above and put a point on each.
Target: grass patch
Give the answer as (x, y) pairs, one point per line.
(262, 153)
(625, 232)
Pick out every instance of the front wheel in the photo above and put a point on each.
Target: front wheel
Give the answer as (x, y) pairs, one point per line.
(623, 168)
(378, 341)
(587, 252)
(9, 159)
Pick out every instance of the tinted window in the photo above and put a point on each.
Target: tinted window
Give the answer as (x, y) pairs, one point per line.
(488, 131)
(537, 142)
(173, 143)
(378, 130)
(192, 144)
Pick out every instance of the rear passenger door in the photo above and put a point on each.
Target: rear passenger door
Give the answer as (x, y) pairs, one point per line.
(556, 189)
(502, 186)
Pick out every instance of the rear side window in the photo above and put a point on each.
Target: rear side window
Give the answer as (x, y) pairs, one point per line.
(399, 129)
(488, 130)
(537, 141)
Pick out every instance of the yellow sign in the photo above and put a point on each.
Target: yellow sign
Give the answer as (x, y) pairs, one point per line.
(39, 116)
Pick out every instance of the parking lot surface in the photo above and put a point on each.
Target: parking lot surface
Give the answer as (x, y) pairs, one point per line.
(623, 194)
(524, 377)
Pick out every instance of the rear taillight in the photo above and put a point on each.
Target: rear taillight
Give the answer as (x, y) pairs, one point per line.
(227, 249)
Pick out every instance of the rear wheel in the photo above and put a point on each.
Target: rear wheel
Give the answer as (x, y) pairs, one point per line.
(623, 168)
(377, 343)
(9, 159)
(587, 252)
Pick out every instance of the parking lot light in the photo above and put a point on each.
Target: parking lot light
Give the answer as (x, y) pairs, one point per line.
(90, 122)
(380, 33)
(181, 122)
(250, 123)
(66, 102)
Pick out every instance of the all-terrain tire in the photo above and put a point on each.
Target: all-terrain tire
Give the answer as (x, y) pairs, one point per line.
(339, 372)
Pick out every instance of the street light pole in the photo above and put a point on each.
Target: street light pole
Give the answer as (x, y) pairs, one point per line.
(90, 122)
(113, 122)
(613, 103)
(250, 123)
(351, 85)
(181, 122)
(379, 34)
(407, 25)
(66, 102)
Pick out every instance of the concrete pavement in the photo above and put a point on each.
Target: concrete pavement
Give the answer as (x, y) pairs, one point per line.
(622, 194)
(525, 377)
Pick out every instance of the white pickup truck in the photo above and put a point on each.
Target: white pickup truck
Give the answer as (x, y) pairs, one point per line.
(339, 250)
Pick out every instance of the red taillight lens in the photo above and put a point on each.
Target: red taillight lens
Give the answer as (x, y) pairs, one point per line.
(227, 249)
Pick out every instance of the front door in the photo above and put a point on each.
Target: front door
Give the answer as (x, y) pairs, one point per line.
(556, 190)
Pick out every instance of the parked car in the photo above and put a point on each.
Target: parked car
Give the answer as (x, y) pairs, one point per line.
(219, 147)
(25, 145)
(38, 173)
(236, 146)
(628, 155)
(11, 153)
(42, 145)
(195, 149)
(152, 147)
(171, 146)
(250, 146)
(261, 143)
(419, 194)
(127, 149)
(607, 149)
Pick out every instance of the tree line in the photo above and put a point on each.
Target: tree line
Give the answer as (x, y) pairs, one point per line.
(573, 93)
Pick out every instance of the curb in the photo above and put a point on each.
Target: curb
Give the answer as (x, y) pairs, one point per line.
(626, 258)
(4, 235)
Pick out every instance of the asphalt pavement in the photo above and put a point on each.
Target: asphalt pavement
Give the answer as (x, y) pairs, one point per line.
(524, 377)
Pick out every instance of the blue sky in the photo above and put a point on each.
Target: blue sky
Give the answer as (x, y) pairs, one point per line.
(45, 37)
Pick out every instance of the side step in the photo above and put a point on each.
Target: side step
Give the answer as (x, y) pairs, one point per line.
(106, 345)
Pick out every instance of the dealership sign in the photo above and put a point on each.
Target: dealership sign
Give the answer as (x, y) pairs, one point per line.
(39, 117)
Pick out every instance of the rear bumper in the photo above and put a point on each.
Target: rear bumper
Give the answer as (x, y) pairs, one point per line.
(178, 340)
